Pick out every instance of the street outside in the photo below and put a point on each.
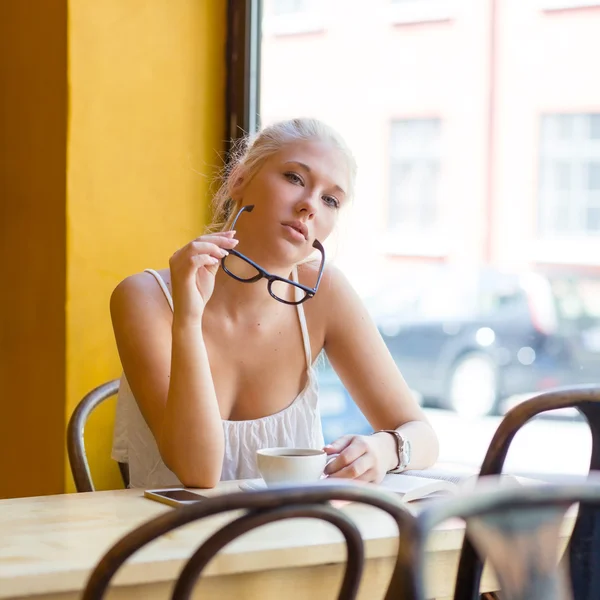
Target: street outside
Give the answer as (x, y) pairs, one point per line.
(545, 445)
(474, 232)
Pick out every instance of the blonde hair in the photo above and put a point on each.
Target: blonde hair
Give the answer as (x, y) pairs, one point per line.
(251, 152)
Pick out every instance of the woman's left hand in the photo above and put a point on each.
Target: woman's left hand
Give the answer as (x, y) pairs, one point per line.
(362, 457)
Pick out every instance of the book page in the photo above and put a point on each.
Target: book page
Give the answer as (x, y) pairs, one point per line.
(415, 485)
(467, 478)
(456, 477)
(415, 488)
(406, 487)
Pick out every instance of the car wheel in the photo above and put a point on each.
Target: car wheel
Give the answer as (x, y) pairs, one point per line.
(472, 389)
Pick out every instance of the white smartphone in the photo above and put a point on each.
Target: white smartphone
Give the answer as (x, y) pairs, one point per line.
(174, 496)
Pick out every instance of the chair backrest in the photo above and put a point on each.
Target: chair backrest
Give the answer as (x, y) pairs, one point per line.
(75, 434)
(264, 507)
(517, 528)
(584, 546)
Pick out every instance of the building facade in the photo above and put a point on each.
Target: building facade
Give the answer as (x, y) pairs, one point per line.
(475, 124)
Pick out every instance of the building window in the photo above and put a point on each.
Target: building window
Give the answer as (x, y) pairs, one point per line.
(415, 156)
(288, 17)
(569, 193)
(290, 7)
(417, 11)
(566, 4)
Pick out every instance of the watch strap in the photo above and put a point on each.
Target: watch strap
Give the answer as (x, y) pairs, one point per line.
(399, 449)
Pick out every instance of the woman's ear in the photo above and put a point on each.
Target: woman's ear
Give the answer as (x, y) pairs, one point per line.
(237, 188)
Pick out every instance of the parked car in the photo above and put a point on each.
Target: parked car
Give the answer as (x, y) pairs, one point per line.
(472, 339)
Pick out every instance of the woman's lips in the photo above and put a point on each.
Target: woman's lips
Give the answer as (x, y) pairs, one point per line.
(294, 233)
(298, 226)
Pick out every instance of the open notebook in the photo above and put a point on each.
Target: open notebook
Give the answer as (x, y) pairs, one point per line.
(419, 485)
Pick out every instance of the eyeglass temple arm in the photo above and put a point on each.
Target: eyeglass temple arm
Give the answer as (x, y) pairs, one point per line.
(248, 208)
(317, 244)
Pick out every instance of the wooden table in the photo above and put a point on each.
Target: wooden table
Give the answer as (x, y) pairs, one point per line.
(50, 544)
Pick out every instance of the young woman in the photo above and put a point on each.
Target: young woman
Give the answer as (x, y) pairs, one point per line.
(217, 350)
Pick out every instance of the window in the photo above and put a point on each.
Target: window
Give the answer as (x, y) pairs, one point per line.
(416, 11)
(415, 160)
(565, 4)
(288, 17)
(289, 7)
(456, 184)
(569, 195)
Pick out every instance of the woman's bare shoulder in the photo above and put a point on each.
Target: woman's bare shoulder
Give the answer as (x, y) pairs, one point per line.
(139, 289)
(333, 283)
(331, 280)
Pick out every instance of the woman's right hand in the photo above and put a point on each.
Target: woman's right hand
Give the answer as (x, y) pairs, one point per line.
(193, 269)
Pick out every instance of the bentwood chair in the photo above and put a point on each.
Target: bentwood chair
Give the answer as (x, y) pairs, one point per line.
(75, 436)
(263, 507)
(583, 551)
(517, 529)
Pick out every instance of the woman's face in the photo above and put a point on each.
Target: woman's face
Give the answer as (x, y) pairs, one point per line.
(297, 193)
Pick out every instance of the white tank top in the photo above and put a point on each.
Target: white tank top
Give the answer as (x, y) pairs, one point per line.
(297, 425)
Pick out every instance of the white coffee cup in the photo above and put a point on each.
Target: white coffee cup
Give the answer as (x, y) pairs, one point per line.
(290, 465)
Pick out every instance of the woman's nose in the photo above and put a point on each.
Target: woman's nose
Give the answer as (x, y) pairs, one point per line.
(308, 204)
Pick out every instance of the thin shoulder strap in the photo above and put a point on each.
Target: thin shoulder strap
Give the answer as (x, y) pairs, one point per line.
(163, 285)
(302, 318)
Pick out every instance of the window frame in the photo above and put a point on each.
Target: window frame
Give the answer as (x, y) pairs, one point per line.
(242, 56)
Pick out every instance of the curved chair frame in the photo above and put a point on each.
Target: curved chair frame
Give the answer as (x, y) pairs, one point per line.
(264, 507)
(75, 432)
(494, 500)
(586, 533)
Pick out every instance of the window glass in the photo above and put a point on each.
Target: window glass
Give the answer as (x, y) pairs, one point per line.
(569, 196)
(474, 234)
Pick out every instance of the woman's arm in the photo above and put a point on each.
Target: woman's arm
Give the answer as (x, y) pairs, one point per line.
(167, 368)
(166, 363)
(360, 357)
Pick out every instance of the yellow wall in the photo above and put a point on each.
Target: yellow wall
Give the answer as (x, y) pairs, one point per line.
(147, 96)
(33, 109)
(110, 107)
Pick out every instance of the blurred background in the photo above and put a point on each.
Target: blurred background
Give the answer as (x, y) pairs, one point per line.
(474, 236)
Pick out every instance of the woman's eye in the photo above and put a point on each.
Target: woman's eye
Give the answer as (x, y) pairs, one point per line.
(293, 177)
(331, 201)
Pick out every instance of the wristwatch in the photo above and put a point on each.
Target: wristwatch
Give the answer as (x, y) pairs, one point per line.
(403, 448)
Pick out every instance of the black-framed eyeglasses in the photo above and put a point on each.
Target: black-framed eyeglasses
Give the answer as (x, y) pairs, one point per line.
(280, 288)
